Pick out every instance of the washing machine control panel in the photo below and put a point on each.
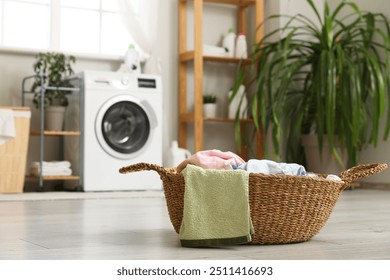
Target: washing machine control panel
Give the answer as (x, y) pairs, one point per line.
(121, 81)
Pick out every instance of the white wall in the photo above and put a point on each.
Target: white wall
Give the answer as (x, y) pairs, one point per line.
(289, 8)
(168, 54)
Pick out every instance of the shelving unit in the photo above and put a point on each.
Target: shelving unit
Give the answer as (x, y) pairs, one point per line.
(196, 56)
(42, 133)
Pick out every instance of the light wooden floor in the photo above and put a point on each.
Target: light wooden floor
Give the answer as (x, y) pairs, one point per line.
(139, 228)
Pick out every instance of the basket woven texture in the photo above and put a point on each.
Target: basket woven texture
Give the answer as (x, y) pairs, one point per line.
(284, 208)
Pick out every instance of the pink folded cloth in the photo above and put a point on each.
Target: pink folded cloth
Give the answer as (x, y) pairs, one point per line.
(212, 159)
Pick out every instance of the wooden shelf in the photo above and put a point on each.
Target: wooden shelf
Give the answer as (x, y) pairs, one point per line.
(226, 120)
(54, 178)
(16, 108)
(189, 117)
(50, 133)
(189, 56)
(55, 133)
(242, 3)
(198, 60)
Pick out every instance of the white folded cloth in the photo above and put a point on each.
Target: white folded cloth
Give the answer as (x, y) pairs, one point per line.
(214, 50)
(35, 172)
(271, 167)
(7, 125)
(329, 177)
(52, 168)
(51, 164)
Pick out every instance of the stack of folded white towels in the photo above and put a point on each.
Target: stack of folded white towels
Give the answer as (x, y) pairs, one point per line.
(51, 168)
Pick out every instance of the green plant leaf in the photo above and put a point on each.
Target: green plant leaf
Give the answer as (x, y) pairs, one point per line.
(51, 72)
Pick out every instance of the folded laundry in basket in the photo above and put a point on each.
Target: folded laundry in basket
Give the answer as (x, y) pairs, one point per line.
(271, 167)
(328, 177)
(216, 208)
(212, 159)
(7, 125)
(55, 168)
(265, 166)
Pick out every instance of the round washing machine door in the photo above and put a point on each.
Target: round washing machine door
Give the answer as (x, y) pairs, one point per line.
(124, 127)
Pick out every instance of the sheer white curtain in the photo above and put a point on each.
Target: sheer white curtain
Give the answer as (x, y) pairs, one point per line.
(142, 25)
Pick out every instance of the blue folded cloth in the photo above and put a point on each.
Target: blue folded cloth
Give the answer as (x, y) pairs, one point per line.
(271, 167)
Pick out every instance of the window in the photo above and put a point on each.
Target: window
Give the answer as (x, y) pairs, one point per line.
(25, 23)
(87, 26)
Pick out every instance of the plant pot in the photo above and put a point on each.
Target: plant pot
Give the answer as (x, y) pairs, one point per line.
(324, 163)
(209, 110)
(54, 118)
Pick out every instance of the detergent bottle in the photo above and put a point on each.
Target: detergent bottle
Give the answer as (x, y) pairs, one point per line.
(132, 60)
(241, 46)
(176, 155)
(229, 41)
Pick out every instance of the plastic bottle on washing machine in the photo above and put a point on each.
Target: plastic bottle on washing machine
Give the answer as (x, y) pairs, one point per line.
(132, 60)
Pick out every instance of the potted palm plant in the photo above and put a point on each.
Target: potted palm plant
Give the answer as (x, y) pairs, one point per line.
(52, 70)
(328, 77)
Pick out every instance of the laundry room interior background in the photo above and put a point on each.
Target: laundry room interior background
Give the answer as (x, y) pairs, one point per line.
(16, 63)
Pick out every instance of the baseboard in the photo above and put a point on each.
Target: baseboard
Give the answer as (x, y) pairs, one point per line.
(375, 186)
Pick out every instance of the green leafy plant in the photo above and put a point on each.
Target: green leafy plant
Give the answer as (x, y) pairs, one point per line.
(207, 99)
(52, 70)
(328, 76)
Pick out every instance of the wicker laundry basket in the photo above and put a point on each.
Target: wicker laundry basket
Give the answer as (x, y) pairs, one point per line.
(284, 208)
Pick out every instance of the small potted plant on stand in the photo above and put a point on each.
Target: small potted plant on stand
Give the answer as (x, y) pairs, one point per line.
(52, 70)
(209, 106)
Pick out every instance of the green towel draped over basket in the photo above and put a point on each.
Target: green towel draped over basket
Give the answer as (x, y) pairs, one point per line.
(216, 208)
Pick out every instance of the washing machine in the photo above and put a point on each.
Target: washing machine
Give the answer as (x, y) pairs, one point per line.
(121, 124)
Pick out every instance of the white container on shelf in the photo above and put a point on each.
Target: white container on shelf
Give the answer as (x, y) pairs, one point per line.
(229, 42)
(241, 50)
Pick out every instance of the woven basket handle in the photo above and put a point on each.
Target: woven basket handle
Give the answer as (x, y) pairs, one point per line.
(144, 166)
(361, 171)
